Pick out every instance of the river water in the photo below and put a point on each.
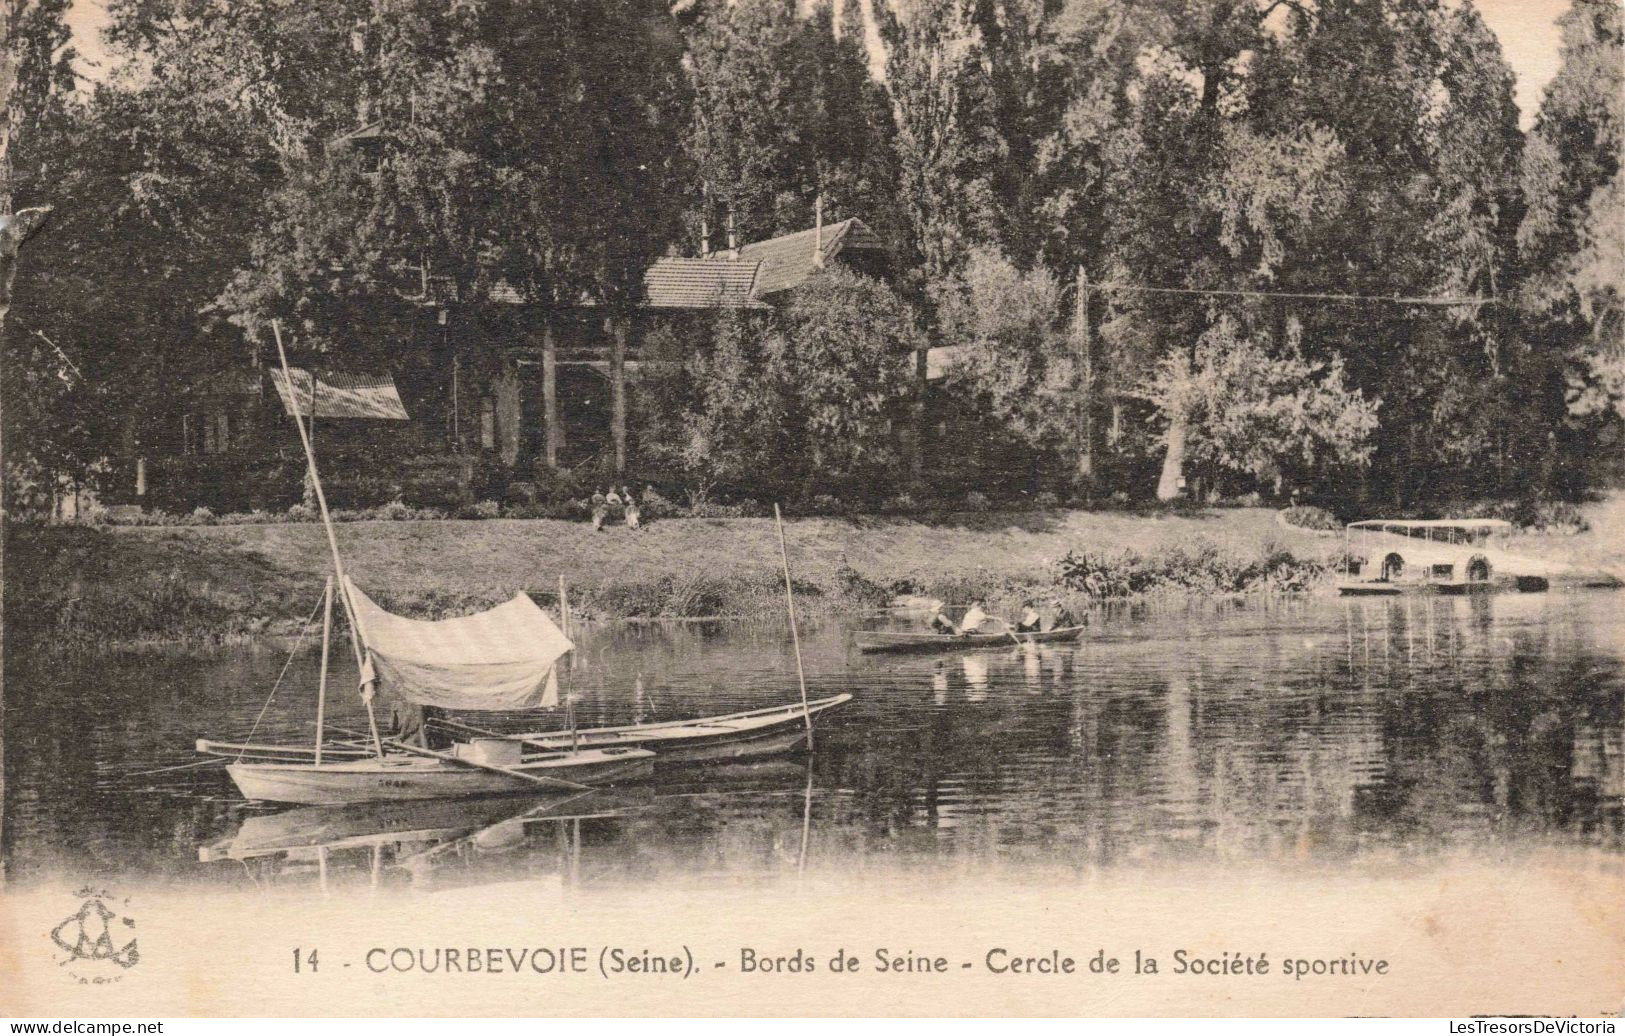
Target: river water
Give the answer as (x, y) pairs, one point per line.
(1311, 732)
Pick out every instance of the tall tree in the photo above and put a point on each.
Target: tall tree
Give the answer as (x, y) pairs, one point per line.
(945, 141)
(35, 68)
(1570, 240)
(785, 111)
(511, 147)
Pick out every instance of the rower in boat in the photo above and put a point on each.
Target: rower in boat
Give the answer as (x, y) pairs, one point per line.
(940, 623)
(1060, 616)
(1030, 621)
(975, 618)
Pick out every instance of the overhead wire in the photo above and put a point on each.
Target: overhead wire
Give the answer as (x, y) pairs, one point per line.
(1406, 300)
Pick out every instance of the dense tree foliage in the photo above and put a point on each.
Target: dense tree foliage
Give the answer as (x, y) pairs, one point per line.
(802, 400)
(1293, 244)
(1571, 239)
(784, 111)
(1254, 408)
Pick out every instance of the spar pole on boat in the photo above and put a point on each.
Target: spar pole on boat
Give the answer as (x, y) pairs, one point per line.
(795, 636)
(358, 636)
(569, 694)
(321, 681)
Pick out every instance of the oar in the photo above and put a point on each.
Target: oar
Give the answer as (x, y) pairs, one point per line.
(464, 728)
(1010, 632)
(448, 757)
(475, 765)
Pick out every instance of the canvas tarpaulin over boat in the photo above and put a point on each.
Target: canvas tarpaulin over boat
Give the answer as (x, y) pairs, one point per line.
(498, 659)
(339, 395)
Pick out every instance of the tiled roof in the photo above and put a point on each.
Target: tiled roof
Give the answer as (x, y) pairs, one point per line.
(723, 281)
(343, 395)
(787, 261)
(712, 283)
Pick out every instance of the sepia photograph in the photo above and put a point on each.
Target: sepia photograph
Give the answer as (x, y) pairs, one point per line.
(811, 508)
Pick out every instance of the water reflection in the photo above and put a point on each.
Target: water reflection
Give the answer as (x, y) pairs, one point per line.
(1317, 731)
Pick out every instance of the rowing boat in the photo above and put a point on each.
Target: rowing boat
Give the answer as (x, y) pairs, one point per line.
(499, 659)
(728, 738)
(888, 640)
(399, 776)
(735, 736)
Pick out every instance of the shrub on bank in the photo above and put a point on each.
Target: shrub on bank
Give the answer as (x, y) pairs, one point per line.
(1202, 569)
(1308, 516)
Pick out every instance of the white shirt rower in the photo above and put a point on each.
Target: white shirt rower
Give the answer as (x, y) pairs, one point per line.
(973, 620)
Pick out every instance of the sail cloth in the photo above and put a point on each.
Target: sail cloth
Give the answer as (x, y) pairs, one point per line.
(340, 395)
(498, 659)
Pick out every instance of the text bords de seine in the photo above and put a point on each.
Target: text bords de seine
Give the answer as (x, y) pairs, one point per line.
(609, 961)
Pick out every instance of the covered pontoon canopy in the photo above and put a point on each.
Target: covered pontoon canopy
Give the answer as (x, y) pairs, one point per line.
(1467, 524)
(498, 659)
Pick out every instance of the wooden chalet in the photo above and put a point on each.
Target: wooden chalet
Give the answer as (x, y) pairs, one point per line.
(517, 384)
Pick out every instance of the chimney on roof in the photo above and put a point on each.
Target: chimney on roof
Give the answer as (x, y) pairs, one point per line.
(818, 231)
(733, 240)
(705, 236)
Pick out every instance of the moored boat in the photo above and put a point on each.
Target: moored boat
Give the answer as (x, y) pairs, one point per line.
(871, 641)
(401, 777)
(499, 660)
(735, 736)
(1387, 557)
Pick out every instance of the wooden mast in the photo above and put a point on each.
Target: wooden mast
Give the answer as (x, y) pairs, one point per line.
(795, 636)
(358, 636)
(569, 695)
(321, 681)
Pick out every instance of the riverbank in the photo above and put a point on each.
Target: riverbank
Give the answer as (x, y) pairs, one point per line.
(133, 584)
(77, 585)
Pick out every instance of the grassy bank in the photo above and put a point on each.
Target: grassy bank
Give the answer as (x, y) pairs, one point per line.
(72, 585)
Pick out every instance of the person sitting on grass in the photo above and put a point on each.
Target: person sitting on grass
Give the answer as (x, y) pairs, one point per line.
(600, 511)
(633, 513)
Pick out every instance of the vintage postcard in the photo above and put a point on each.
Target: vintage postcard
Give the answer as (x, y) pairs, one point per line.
(813, 507)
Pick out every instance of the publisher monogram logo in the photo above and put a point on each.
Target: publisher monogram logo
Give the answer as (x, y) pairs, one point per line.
(97, 942)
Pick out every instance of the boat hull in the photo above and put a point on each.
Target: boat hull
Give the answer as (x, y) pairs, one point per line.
(873, 641)
(740, 736)
(1370, 589)
(403, 778)
(1448, 588)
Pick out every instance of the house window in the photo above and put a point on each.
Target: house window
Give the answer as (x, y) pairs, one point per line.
(488, 423)
(216, 433)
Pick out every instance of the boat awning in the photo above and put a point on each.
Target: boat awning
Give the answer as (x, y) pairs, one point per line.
(502, 658)
(367, 396)
(1404, 525)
